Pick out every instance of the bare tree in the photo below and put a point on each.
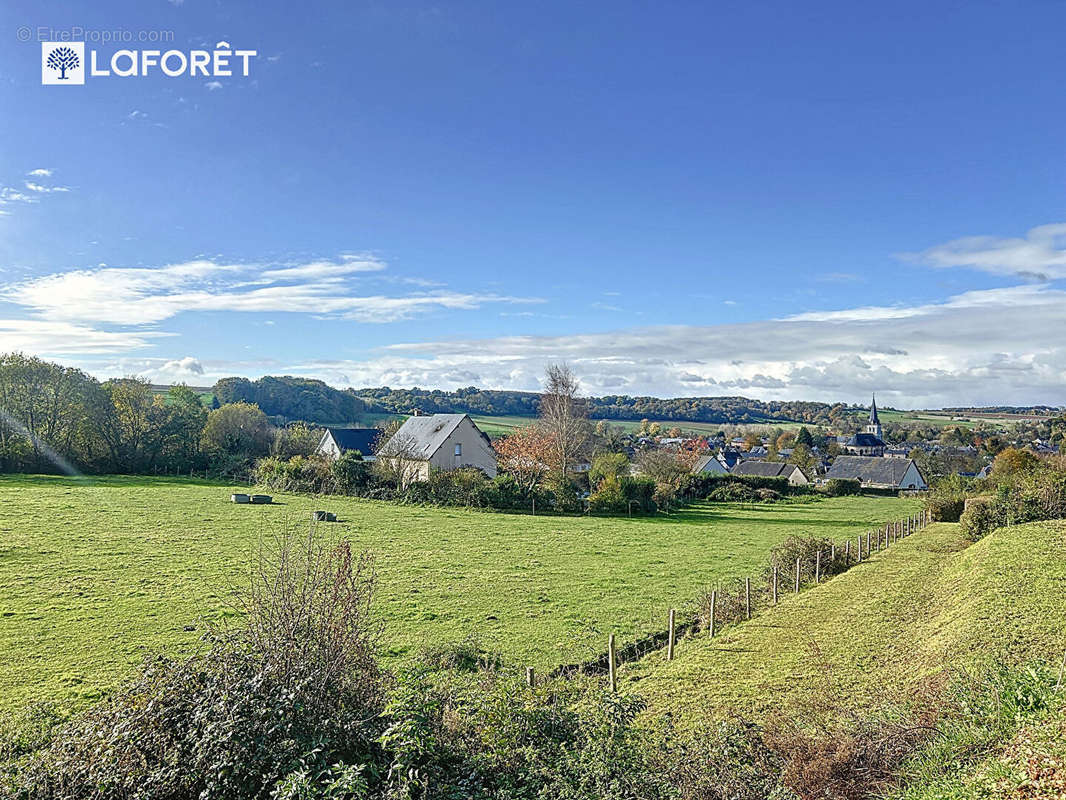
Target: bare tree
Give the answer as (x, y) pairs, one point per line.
(564, 417)
(400, 461)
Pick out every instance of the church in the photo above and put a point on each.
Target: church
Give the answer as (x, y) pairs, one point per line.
(871, 442)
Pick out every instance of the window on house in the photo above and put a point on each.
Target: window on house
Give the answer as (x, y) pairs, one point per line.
(458, 453)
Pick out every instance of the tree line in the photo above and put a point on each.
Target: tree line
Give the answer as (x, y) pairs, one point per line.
(60, 419)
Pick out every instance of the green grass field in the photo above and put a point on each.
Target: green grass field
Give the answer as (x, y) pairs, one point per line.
(928, 602)
(95, 575)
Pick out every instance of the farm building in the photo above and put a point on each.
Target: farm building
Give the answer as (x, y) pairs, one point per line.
(772, 469)
(440, 441)
(338, 441)
(878, 473)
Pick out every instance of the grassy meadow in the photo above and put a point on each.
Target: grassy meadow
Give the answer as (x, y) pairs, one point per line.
(930, 601)
(95, 574)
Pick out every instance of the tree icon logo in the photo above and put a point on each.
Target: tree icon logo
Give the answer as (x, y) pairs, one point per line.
(63, 58)
(62, 63)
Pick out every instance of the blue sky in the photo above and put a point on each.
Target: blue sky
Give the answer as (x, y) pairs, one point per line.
(781, 200)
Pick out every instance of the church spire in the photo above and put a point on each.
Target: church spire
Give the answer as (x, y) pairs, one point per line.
(873, 410)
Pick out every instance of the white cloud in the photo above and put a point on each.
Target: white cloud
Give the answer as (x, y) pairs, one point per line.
(1041, 254)
(10, 196)
(213, 86)
(958, 352)
(148, 295)
(326, 269)
(40, 189)
(63, 338)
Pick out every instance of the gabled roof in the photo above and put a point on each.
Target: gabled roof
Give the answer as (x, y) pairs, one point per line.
(703, 461)
(868, 469)
(728, 458)
(764, 469)
(362, 439)
(421, 437)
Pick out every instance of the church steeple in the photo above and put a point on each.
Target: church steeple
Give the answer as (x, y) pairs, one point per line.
(874, 426)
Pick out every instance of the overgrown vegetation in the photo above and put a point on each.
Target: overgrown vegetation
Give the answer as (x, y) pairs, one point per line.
(1021, 488)
(294, 704)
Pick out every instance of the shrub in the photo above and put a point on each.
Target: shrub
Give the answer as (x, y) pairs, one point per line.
(702, 485)
(641, 492)
(842, 487)
(293, 693)
(733, 493)
(609, 497)
(351, 474)
(564, 495)
(609, 465)
(947, 500)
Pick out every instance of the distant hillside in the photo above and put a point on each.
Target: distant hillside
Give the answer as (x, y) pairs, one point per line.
(297, 399)
(724, 410)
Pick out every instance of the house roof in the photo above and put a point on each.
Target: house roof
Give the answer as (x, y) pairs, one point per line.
(764, 469)
(728, 457)
(420, 437)
(869, 469)
(362, 439)
(703, 461)
(865, 440)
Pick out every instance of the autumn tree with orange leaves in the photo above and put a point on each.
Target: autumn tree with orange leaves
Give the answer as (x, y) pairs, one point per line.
(526, 455)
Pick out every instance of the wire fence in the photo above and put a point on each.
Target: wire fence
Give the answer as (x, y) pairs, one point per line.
(736, 602)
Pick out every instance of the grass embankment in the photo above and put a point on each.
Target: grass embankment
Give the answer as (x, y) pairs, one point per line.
(929, 602)
(95, 575)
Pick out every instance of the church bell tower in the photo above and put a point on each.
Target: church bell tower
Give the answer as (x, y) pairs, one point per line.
(874, 425)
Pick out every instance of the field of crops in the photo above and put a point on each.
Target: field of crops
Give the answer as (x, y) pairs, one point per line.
(95, 574)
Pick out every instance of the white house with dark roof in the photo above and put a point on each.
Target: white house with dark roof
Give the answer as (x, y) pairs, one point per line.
(878, 473)
(440, 441)
(338, 441)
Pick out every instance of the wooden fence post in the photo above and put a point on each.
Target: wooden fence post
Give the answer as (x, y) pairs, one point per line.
(797, 576)
(529, 677)
(817, 566)
(832, 553)
(714, 602)
(847, 552)
(774, 588)
(858, 551)
(610, 663)
(747, 598)
(670, 640)
(869, 552)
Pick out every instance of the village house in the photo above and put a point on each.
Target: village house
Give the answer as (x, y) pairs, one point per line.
(440, 442)
(338, 441)
(772, 469)
(708, 465)
(875, 472)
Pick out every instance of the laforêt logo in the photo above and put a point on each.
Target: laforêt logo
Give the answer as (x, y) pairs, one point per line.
(62, 63)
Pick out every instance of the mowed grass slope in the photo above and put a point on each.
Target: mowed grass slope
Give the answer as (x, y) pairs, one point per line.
(95, 575)
(929, 602)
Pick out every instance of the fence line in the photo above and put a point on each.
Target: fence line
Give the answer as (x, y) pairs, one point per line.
(840, 561)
